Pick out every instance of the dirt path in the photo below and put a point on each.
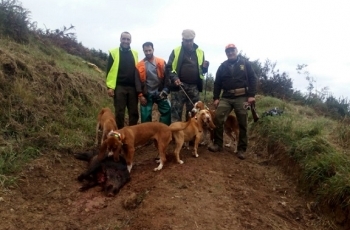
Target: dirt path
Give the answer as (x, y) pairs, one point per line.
(214, 191)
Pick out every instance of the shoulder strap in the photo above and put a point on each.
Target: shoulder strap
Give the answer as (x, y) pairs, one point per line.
(246, 73)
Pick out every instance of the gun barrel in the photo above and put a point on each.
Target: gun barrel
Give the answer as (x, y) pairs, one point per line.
(254, 113)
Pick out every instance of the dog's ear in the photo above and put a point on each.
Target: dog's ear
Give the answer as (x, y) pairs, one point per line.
(210, 121)
(201, 105)
(200, 120)
(117, 150)
(103, 149)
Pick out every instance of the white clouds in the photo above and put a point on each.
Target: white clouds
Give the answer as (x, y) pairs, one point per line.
(289, 32)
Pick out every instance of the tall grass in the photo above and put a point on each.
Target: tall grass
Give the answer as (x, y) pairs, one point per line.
(311, 143)
(50, 102)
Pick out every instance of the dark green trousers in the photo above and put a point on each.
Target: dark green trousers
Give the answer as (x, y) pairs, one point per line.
(163, 108)
(224, 109)
(125, 97)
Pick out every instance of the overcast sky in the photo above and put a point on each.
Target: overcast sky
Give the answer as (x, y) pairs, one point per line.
(312, 32)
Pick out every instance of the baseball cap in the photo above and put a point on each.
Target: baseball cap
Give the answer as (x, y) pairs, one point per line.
(230, 46)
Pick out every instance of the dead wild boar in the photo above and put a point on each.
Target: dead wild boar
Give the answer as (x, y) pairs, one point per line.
(110, 175)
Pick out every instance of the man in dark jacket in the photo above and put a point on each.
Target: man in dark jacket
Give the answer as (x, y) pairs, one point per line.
(238, 81)
(186, 67)
(120, 81)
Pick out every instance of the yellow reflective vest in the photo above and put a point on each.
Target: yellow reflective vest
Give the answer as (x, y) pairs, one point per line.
(112, 75)
(200, 57)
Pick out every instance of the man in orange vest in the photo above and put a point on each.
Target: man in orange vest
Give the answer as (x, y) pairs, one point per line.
(153, 86)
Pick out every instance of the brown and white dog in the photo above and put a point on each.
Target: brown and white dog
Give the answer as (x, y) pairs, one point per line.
(129, 137)
(193, 131)
(106, 123)
(230, 126)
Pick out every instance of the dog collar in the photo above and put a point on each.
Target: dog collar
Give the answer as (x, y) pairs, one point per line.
(115, 134)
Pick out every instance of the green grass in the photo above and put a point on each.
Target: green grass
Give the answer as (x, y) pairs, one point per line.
(50, 102)
(9, 158)
(316, 145)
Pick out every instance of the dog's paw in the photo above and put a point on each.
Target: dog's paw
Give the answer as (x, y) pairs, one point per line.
(228, 145)
(160, 166)
(180, 162)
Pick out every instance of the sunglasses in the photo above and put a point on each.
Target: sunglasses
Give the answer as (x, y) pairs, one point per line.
(230, 50)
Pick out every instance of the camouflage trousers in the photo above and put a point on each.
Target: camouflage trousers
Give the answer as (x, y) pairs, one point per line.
(224, 109)
(179, 99)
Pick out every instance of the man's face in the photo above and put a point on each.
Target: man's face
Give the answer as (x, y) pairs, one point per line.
(148, 50)
(125, 40)
(188, 43)
(231, 53)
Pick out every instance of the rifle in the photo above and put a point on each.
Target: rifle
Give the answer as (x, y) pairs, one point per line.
(254, 113)
(251, 107)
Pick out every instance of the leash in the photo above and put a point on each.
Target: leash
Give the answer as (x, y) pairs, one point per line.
(206, 107)
(186, 94)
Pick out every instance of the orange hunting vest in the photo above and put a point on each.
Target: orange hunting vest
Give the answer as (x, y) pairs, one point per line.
(141, 67)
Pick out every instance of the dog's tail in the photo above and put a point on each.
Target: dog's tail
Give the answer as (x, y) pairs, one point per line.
(180, 125)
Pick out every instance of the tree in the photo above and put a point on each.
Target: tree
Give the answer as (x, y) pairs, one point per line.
(14, 20)
(209, 82)
(274, 83)
(301, 70)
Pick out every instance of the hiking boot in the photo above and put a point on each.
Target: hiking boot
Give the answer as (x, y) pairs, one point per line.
(241, 155)
(215, 148)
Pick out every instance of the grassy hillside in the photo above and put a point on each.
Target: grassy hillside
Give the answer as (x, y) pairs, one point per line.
(312, 149)
(48, 101)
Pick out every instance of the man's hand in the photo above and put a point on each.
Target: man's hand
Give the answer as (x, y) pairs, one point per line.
(110, 92)
(216, 103)
(251, 100)
(143, 100)
(177, 82)
(206, 64)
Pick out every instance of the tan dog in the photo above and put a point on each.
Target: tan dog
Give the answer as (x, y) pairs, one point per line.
(230, 126)
(106, 123)
(129, 137)
(193, 131)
